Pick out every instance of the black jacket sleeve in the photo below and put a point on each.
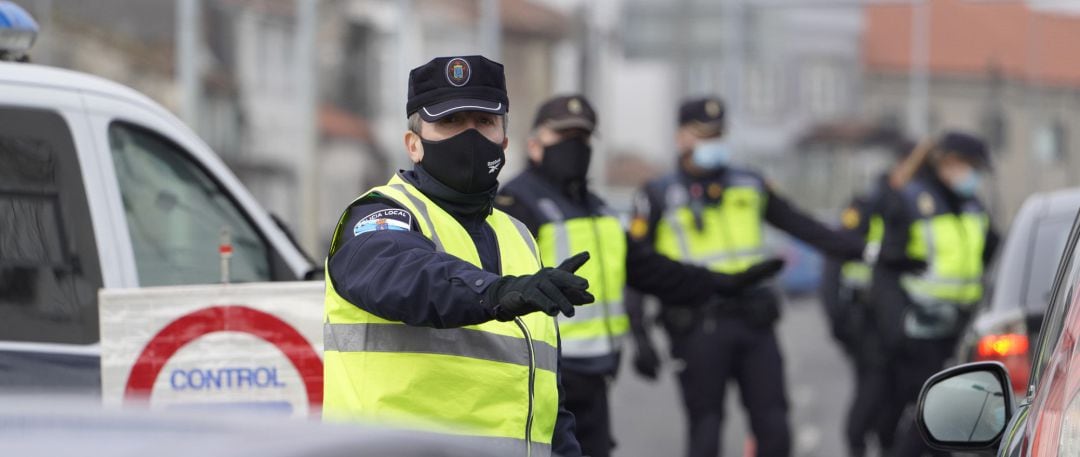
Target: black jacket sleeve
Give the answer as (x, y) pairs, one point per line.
(397, 274)
(830, 289)
(670, 281)
(643, 221)
(782, 215)
(563, 442)
(894, 244)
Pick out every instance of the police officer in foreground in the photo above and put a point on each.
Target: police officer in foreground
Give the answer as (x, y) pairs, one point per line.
(553, 200)
(439, 315)
(936, 243)
(713, 214)
(845, 292)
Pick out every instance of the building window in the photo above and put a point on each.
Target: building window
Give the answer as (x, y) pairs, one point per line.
(995, 128)
(1049, 143)
(822, 85)
(763, 91)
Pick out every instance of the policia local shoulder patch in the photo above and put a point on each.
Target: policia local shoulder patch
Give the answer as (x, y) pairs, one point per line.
(384, 219)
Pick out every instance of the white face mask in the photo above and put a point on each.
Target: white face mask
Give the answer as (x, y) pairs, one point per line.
(968, 185)
(711, 154)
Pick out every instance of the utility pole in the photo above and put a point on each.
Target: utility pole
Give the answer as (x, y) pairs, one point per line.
(918, 114)
(187, 59)
(491, 29)
(306, 98)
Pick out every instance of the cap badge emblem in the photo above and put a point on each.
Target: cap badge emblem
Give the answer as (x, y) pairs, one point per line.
(458, 72)
(712, 108)
(926, 204)
(574, 106)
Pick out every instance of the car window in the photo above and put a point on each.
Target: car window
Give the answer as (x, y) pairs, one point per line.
(1046, 247)
(176, 215)
(49, 267)
(1063, 292)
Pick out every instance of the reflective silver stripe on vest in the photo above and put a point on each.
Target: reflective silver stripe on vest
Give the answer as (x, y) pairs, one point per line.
(598, 345)
(680, 235)
(591, 347)
(916, 289)
(562, 241)
(596, 311)
(422, 208)
(683, 240)
(526, 235)
(463, 342)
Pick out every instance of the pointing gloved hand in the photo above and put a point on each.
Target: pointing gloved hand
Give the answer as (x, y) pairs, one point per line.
(734, 283)
(550, 291)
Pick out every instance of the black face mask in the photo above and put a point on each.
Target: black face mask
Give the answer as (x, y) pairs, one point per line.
(467, 162)
(567, 160)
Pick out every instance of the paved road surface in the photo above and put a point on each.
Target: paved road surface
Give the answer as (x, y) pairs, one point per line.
(649, 422)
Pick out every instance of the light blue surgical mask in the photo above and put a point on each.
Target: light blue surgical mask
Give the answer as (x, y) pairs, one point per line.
(967, 186)
(711, 155)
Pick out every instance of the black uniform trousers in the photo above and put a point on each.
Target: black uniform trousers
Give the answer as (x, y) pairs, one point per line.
(587, 398)
(917, 361)
(720, 348)
(873, 410)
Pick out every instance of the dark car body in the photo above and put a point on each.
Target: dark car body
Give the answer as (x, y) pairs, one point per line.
(1046, 420)
(1018, 290)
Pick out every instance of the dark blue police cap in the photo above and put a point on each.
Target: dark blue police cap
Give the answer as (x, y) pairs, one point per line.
(703, 114)
(969, 147)
(448, 85)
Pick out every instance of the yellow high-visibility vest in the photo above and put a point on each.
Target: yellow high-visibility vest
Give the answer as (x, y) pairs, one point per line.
(951, 245)
(566, 227)
(596, 328)
(731, 237)
(494, 384)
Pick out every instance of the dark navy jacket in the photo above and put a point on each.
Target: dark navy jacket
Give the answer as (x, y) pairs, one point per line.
(398, 275)
(646, 270)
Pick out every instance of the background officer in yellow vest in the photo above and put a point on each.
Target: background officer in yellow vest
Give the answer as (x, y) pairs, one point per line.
(438, 313)
(711, 213)
(553, 200)
(928, 275)
(845, 293)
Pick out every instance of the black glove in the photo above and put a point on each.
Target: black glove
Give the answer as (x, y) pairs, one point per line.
(550, 291)
(646, 361)
(735, 283)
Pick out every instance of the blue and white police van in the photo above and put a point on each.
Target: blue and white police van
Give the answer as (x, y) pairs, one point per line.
(115, 223)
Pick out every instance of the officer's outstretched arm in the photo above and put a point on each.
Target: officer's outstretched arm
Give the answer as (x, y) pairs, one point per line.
(784, 216)
(386, 266)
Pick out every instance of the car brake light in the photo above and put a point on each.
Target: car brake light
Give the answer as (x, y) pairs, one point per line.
(996, 346)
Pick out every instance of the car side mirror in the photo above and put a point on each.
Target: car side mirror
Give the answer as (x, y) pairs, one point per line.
(966, 408)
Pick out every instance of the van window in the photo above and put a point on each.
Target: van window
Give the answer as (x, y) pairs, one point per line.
(49, 268)
(176, 214)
